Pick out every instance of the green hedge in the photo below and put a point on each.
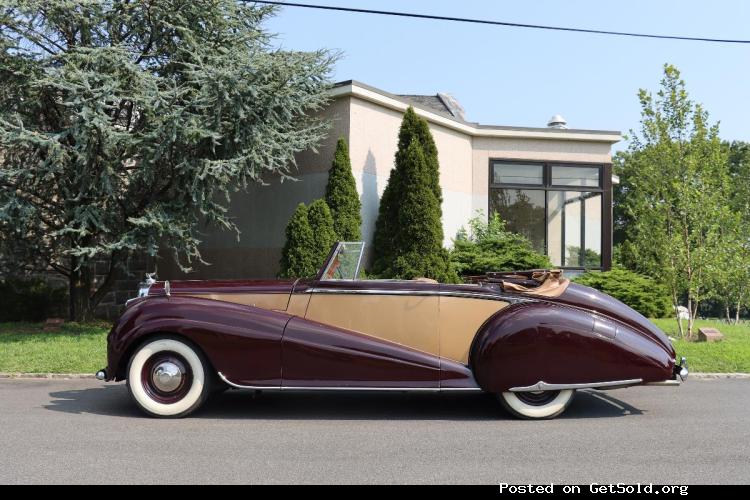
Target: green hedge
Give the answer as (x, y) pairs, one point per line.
(489, 247)
(30, 300)
(640, 292)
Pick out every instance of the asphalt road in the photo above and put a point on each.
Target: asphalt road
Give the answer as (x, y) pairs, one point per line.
(81, 431)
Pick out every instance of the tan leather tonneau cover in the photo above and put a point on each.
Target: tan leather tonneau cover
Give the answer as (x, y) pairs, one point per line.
(551, 284)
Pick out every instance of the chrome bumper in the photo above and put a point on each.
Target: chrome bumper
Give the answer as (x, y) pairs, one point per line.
(681, 370)
(680, 374)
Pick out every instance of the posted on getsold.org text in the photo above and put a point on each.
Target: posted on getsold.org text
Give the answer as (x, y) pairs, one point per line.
(593, 489)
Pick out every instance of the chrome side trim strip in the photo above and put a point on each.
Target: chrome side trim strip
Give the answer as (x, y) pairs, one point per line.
(238, 386)
(349, 388)
(670, 383)
(472, 295)
(544, 386)
(367, 389)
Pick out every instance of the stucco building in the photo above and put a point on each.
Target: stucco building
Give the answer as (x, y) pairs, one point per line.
(553, 184)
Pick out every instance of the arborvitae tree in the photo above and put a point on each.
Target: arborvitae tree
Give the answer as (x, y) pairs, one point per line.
(418, 232)
(387, 250)
(324, 236)
(296, 258)
(413, 127)
(342, 196)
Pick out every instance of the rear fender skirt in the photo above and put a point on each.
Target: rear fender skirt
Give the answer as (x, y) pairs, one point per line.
(527, 343)
(544, 386)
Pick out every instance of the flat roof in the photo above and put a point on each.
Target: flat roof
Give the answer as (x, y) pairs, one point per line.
(396, 102)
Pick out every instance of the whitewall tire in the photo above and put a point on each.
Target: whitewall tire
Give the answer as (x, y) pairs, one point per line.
(168, 377)
(537, 404)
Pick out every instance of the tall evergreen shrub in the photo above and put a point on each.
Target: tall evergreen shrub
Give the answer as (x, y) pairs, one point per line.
(342, 197)
(296, 257)
(414, 245)
(324, 236)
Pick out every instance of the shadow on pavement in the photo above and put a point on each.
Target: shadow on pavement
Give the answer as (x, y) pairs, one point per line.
(113, 400)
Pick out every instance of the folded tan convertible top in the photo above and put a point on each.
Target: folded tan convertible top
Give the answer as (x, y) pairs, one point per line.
(543, 282)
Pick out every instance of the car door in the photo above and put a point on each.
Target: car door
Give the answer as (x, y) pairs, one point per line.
(369, 334)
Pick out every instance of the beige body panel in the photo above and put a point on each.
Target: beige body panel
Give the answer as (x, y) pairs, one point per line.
(409, 320)
(439, 325)
(443, 326)
(298, 303)
(460, 318)
(272, 301)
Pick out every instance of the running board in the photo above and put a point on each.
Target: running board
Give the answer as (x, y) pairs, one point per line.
(348, 388)
(544, 386)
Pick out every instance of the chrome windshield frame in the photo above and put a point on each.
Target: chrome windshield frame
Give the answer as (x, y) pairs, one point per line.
(339, 247)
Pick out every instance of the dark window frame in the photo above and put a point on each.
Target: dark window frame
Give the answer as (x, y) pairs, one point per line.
(604, 188)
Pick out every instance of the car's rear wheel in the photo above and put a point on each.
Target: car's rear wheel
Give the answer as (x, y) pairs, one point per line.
(168, 377)
(536, 404)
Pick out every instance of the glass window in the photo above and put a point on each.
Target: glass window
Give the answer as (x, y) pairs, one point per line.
(523, 211)
(574, 228)
(517, 173)
(345, 262)
(557, 206)
(566, 175)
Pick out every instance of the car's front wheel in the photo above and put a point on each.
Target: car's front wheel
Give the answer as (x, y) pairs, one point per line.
(168, 377)
(537, 404)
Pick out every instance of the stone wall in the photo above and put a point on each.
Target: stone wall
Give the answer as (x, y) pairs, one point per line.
(126, 287)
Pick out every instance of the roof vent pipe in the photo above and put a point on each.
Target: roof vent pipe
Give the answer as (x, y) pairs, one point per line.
(557, 121)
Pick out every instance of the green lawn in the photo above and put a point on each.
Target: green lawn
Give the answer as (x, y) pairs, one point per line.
(76, 348)
(730, 355)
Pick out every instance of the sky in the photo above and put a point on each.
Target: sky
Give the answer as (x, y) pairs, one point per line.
(521, 77)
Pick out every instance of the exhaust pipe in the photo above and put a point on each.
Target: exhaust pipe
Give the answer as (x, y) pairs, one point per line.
(101, 374)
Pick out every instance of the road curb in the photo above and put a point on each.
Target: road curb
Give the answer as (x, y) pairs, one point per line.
(48, 375)
(713, 376)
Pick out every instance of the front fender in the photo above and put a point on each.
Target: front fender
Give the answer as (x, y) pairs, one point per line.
(539, 341)
(242, 342)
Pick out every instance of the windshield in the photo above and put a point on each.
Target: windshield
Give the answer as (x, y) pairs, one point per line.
(345, 262)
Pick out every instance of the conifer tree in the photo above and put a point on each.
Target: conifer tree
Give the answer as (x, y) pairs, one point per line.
(126, 125)
(296, 257)
(408, 239)
(342, 196)
(324, 236)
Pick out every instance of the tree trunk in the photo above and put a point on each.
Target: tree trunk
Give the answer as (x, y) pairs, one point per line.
(737, 313)
(729, 317)
(692, 312)
(83, 297)
(80, 308)
(676, 306)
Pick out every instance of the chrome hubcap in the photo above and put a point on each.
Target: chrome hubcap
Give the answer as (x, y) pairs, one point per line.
(167, 376)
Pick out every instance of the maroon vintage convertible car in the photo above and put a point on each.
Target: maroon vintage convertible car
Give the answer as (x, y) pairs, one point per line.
(532, 338)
